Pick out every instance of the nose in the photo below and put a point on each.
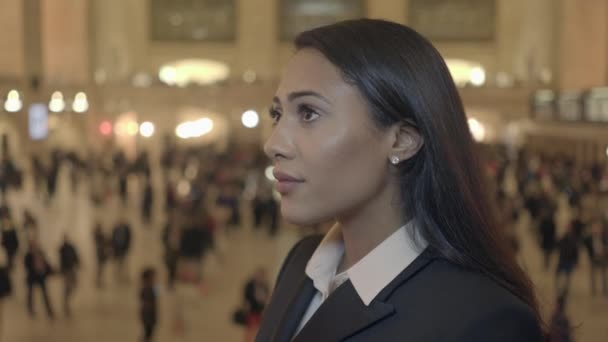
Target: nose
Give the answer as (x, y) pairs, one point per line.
(279, 144)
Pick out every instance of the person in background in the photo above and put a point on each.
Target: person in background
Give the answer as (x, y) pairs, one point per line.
(147, 202)
(257, 292)
(170, 197)
(560, 328)
(102, 250)
(171, 243)
(568, 260)
(123, 185)
(547, 232)
(69, 263)
(30, 225)
(596, 244)
(121, 244)
(37, 270)
(6, 287)
(10, 241)
(148, 303)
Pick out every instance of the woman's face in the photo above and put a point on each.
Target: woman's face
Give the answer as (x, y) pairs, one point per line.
(324, 137)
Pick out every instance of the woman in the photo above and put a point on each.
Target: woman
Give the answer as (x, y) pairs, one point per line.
(369, 130)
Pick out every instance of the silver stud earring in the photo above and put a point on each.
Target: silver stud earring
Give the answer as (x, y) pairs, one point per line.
(395, 160)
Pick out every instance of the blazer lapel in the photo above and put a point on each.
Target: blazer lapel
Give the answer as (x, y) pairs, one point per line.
(344, 314)
(294, 310)
(341, 315)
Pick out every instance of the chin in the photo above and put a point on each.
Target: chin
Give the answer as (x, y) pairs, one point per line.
(300, 216)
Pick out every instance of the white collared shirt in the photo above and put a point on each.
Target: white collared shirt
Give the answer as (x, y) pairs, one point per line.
(369, 275)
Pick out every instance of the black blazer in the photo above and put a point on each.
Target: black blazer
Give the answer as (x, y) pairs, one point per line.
(431, 300)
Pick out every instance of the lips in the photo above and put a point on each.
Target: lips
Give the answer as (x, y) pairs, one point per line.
(285, 177)
(286, 183)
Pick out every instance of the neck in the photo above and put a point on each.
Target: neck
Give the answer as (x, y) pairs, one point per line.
(367, 228)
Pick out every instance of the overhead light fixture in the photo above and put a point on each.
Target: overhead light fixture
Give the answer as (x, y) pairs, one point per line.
(105, 128)
(13, 102)
(194, 129)
(249, 76)
(146, 129)
(477, 129)
(132, 128)
(250, 119)
(57, 103)
(268, 173)
(81, 103)
(466, 72)
(193, 71)
(477, 76)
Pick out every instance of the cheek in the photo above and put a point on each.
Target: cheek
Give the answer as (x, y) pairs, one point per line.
(342, 172)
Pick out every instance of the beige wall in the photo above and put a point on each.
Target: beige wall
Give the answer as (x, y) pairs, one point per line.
(64, 38)
(531, 36)
(523, 41)
(583, 43)
(11, 39)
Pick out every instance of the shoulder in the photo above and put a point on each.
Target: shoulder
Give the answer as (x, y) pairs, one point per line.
(469, 305)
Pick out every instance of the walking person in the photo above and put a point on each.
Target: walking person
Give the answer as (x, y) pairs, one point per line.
(256, 294)
(121, 244)
(560, 327)
(568, 247)
(171, 243)
(69, 263)
(147, 202)
(547, 230)
(148, 298)
(102, 251)
(10, 241)
(37, 270)
(596, 244)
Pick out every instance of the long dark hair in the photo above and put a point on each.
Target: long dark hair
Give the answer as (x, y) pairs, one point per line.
(405, 80)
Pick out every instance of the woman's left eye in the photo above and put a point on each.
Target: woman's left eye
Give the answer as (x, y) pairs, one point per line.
(307, 113)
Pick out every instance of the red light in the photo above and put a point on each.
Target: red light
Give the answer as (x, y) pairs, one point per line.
(105, 128)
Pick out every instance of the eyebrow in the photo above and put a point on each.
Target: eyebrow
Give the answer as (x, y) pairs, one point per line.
(294, 95)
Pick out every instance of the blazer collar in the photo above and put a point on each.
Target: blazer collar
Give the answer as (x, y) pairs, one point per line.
(343, 314)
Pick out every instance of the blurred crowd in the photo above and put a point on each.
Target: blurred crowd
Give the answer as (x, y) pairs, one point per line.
(565, 202)
(188, 195)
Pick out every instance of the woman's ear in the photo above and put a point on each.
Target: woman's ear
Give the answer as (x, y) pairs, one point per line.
(406, 142)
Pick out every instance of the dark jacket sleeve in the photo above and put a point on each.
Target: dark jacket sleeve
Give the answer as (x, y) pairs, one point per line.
(503, 325)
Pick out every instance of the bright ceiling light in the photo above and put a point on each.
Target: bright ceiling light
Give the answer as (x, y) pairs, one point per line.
(477, 76)
(464, 72)
(194, 129)
(268, 173)
(132, 128)
(250, 119)
(57, 103)
(146, 129)
(477, 129)
(249, 76)
(13, 102)
(193, 71)
(105, 128)
(81, 104)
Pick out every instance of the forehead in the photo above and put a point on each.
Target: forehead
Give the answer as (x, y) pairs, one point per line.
(308, 69)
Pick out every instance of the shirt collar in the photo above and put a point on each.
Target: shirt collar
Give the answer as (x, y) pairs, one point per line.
(370, 274)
